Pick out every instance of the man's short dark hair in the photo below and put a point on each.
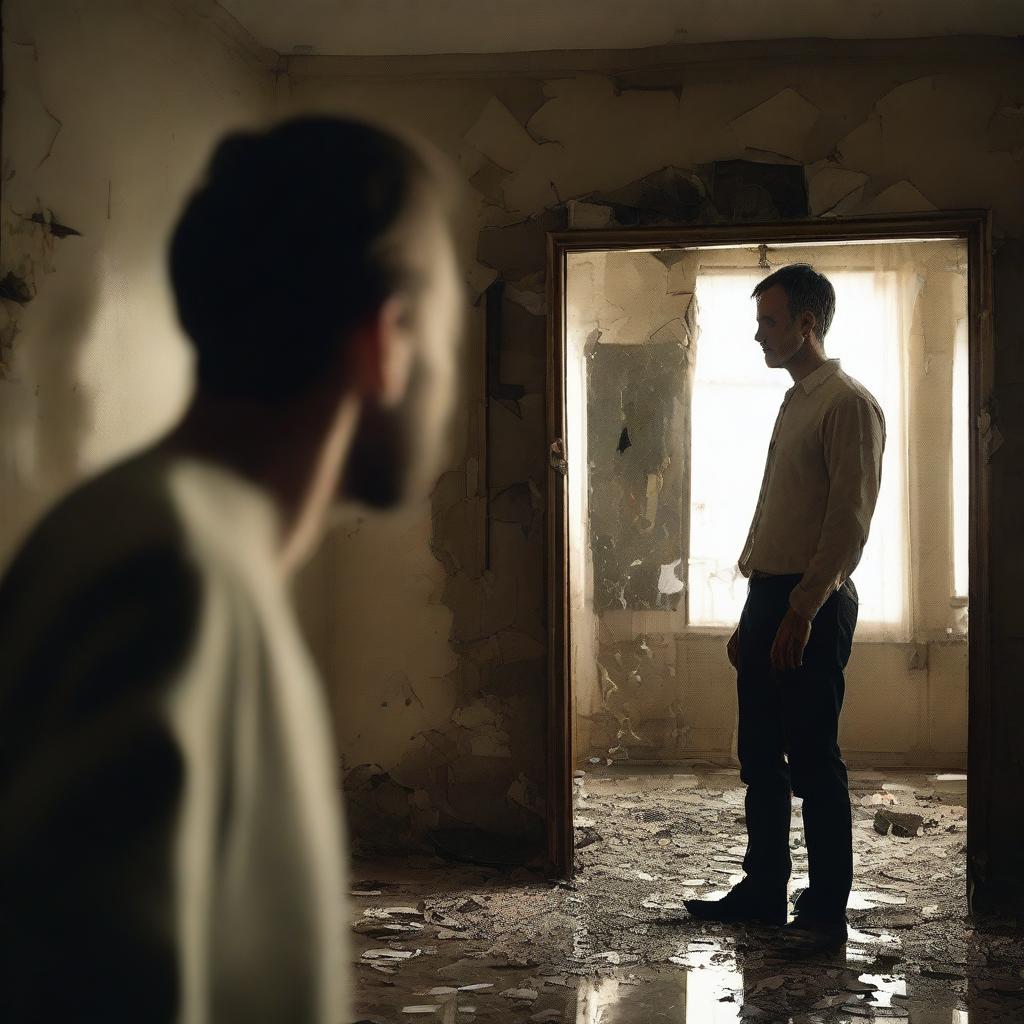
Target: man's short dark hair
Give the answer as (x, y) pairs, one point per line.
(805, 289)
(287, 244)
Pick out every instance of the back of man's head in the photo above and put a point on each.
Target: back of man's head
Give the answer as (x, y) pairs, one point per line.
(294, 236)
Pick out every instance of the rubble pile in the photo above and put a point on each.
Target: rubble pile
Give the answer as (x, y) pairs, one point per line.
(449, 942)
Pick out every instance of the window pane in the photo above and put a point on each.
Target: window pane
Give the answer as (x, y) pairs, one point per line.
(866, 335)
(735, 401)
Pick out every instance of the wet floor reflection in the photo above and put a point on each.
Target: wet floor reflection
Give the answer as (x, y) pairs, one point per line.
(689, 997)
(712, 982)
(439, 941)
(710, 992)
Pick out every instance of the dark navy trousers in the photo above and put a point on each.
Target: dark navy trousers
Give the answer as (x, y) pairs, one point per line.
(789, 743)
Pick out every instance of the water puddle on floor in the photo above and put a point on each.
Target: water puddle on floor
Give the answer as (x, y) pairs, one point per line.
(440, 942)
(705, 995)
(710, 982)
(708, 991)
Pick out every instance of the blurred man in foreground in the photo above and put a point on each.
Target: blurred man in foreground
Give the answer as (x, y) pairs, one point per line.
(171, 847)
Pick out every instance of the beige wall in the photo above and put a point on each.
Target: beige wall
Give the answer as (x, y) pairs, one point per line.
(450, 699)
(111, 108)
(530, 133)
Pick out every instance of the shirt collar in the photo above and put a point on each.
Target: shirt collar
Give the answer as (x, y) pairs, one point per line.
(819, 376)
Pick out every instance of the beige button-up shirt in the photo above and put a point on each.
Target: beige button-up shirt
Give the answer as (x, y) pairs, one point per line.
(820, 485)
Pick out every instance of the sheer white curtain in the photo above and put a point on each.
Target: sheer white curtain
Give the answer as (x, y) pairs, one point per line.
(874, 310)
(736, 400)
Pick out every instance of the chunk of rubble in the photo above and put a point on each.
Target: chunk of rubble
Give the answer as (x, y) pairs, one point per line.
(389, 955)
(898, 822)
(527, 995)
(386, 929)
(656, 903)
(387, 912)
(370, 887)
(611, 957)
(874, 799)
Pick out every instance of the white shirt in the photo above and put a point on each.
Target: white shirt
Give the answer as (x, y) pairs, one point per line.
(171, 847)
(820, 485)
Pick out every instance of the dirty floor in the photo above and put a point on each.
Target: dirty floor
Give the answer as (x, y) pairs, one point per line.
(460, 942)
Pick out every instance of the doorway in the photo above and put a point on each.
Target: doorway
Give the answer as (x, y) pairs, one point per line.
(655, 411)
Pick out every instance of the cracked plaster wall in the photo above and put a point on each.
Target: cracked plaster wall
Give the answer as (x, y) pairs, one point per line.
(111, 108)
(923, 126)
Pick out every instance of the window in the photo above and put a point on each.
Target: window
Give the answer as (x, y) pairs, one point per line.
(736, 398)
(735, 401)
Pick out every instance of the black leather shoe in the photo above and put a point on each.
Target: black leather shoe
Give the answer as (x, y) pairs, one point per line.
(741, 906)
(808, 933)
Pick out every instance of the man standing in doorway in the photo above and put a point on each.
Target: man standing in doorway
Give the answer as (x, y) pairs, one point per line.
(795, 633)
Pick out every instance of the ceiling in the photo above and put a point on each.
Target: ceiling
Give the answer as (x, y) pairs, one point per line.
(377, 27)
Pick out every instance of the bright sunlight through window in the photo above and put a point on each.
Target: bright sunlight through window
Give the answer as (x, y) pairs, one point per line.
(736, 398)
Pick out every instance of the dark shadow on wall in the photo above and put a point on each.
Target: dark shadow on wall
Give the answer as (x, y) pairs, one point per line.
(48, 295)
(44, 413)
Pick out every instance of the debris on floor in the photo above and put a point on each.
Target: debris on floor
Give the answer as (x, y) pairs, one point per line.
(899, 823)
(436, 940)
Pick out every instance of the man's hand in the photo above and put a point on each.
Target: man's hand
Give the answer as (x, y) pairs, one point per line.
(733, 648)
(790, 641)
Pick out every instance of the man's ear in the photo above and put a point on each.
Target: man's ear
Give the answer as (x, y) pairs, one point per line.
(379, 354)
(808, 323)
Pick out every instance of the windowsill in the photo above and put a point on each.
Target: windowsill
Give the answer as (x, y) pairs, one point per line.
(625, 624)
(726, 631)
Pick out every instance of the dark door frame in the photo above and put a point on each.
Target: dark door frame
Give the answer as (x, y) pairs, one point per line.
(972, 225)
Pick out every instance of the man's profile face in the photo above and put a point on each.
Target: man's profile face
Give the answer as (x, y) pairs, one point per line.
(778, 333)
(400, 450)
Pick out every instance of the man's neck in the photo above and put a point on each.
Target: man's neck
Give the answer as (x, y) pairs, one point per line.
(805, 361)
(294, 453)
